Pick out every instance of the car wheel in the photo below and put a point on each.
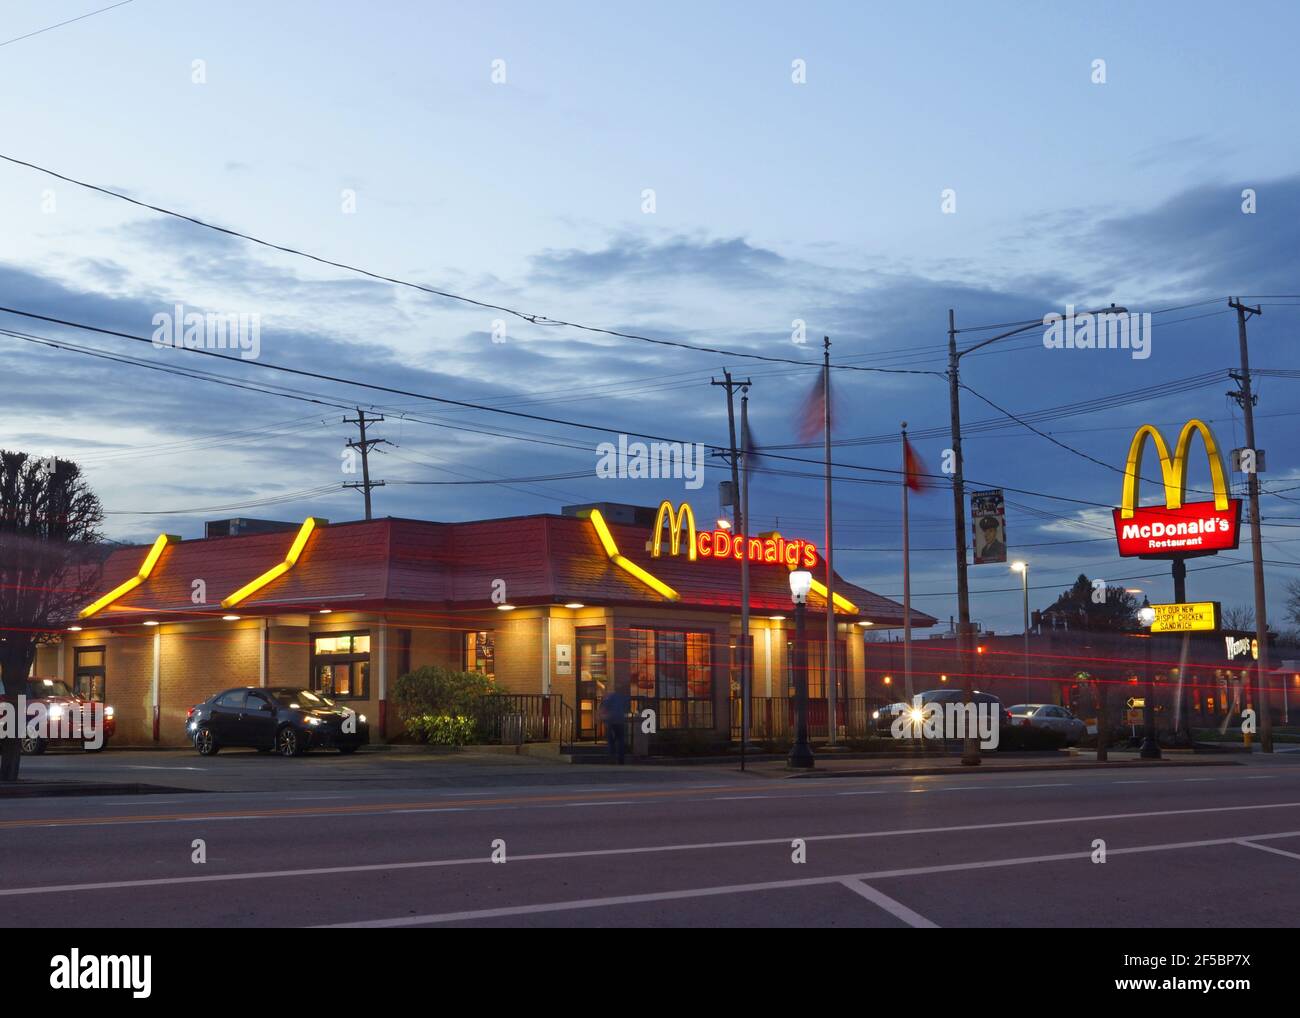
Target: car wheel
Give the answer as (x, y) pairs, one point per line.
(288, 742)
(205, 743)
(345, 750)
(33, 747)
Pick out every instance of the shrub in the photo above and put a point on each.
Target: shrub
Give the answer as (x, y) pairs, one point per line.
(441, 729)
(1026, 737)
(435, 691)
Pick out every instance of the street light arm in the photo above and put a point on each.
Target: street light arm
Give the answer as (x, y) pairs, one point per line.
(1112, 310)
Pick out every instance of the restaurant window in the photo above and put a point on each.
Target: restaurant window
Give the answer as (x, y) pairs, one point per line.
(817, 669)
(88, 675)
(674, 669)
(593, 678)
(340, 665)
(480, 653)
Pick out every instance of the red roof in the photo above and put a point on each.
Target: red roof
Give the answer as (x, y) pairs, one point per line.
(389, 563)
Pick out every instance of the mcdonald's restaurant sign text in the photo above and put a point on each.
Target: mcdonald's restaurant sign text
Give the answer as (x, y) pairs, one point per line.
(1178, 528)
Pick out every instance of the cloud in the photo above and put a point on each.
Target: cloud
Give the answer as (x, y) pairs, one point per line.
(629, 259)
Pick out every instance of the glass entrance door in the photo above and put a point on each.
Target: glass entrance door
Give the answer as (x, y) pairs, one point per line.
(593, 678)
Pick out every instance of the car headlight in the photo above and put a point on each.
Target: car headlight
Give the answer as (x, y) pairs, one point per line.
(108, 712)
(312, 721)
(875, 715)
(55, 712)
(361, 718)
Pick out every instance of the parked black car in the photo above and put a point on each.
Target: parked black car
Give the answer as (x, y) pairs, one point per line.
(281, 718)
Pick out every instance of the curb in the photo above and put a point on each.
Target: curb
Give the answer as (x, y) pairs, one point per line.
(1089, 765)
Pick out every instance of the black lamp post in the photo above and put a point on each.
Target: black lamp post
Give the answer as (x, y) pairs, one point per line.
(801, 754)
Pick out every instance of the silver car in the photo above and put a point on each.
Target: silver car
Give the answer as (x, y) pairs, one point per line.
(1050, 717)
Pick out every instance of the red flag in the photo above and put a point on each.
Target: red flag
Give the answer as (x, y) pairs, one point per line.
(811, 418)
(913, 469)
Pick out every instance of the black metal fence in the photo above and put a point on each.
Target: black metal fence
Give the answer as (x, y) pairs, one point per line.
(772, 717)
(524, 717)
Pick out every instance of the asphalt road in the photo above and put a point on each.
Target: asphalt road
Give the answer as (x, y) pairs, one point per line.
(384, 840)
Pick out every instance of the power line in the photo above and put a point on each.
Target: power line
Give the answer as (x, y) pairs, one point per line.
(51, 28)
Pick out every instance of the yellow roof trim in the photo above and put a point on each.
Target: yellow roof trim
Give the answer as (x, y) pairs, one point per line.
(142, 574)
(308, 527)
(627, 565)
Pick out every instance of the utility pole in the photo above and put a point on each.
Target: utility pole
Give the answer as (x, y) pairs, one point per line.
(832, 675)
(970, 753)
(365, 445)
(739, 507)
(1246, 400)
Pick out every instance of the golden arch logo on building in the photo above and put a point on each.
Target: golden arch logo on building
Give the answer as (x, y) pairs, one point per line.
(1179, 529)
(675, 518)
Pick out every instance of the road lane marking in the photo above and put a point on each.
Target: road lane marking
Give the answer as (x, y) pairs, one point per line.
(774, 885)
(10, 892)
(1267, 848)
(895, 908)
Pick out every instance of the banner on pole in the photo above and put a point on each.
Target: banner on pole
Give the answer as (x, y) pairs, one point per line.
(989, 522)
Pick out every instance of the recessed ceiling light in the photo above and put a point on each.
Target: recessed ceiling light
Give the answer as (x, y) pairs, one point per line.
(151, 622)
(575, 604)
(74, 629)
(776, 618)
(325, 611)
(230, 618)
(505, 607)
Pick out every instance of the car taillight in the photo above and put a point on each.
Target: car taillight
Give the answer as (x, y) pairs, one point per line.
(189, 714)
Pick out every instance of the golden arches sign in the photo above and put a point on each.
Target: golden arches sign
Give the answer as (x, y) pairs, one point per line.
(675, 517)
(1173, 469)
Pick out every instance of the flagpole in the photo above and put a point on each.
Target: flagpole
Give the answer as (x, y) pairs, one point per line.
(829, 657)
(746, 664)
(907, 579)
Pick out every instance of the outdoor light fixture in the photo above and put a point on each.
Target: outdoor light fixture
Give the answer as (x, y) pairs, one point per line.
(575, 604)
(724, 524)
(865, 622)
(505, 607)
(230, 618)
(943, 678)
(776, 618)
(325, 611)
(889, 680)
(1146, 615)
(74, 629)
(151, 622)
(800, 584)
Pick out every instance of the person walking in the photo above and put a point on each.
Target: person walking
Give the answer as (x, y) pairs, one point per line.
(613, 714)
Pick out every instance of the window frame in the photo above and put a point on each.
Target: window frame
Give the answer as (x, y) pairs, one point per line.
(333, 658)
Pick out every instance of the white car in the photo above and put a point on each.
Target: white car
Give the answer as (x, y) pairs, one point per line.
(1050, 717)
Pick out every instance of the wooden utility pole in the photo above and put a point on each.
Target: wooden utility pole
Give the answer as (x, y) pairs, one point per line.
(1246, 400)
(365, 445)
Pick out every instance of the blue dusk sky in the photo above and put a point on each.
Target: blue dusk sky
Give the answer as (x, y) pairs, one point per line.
(656, 169)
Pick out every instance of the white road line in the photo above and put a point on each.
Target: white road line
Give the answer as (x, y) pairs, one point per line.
(740, 798)
(774, 885)
(895, 908)
(1267, 848)
(10, 892)
(615, 802)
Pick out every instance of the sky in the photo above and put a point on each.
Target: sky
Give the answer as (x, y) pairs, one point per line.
(657, 171)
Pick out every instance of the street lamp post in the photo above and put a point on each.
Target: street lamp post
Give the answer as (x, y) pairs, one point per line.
(801, 754)
(1023, 569)
(970, 750)
(1150, 747)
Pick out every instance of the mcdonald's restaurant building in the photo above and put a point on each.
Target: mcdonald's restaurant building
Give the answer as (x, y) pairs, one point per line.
(558, 608)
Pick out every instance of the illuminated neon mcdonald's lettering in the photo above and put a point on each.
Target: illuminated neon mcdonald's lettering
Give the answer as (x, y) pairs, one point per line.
(1174, 469)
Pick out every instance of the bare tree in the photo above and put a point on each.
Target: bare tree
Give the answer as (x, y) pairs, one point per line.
(1239, 616)
(49, 530)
